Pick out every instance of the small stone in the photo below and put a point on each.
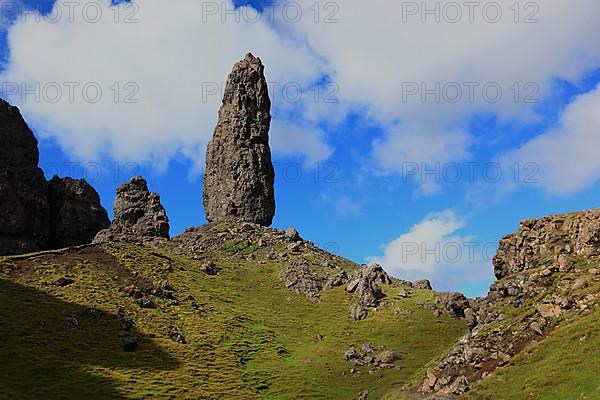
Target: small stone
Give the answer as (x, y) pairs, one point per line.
(358, 313)
(130, 345)
(535, 326)
(549, 310)
(292, 235)
(146, 303)
(294, 246)
(64, 281)
(210, 268)
(579, 284)
(175, 336)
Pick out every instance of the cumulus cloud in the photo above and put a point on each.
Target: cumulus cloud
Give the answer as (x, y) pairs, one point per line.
(422, 81)
(291, 139)
(419, 76)
(159, 66)
(565, 158)
(433, 249)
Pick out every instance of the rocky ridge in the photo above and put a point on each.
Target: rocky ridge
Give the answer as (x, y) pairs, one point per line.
(548, 273)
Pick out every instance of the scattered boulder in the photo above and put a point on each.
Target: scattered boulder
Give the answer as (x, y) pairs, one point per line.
(376, 273)
(338, 280)
(549, 310)
(175, 336)
(64, 281)
(76, 215)
(423, 284)
(454, 303)
(384, 359)
(292, 234)
(210, 268)
(302, 280)
(139, 215)
(387, 357)
(358, 313)
(239, 175)
(368, 292)
(130, 345)
(24, 220)
(363, 395)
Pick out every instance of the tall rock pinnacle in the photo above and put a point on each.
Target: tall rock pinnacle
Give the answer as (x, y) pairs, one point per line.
(239, 175)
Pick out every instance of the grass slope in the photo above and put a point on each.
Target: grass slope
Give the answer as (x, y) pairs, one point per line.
(255, 339)
(566, 365)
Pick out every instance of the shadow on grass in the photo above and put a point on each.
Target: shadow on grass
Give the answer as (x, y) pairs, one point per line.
(48, 346)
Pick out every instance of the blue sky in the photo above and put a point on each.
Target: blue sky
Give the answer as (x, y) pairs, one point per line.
(349, 161)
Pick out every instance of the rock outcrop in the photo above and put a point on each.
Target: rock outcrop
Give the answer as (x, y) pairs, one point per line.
(24, 221)
(549, 271)
(37, 215)
(76, 215)
(138, 215)
(239, 175)
(576, 234)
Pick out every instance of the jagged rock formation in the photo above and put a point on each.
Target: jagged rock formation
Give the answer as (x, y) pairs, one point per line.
(138, 215)
(576, 234)
(367, 290)
(547, 273)
(24, 219)
(35, 215)
(239, 175)
(76, 215)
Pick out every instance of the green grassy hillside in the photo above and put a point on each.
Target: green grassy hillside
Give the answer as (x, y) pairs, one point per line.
(245, 335)
(566, 365)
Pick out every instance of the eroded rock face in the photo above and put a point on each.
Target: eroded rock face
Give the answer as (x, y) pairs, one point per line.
(543, 270)
(570, 234)
(239, 176)
(139, 215)
(24, 220)
(76, 215)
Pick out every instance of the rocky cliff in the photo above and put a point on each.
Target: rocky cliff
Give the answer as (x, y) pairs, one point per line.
(548, 274)
(76, 215)
(239, 175)
(37, 215)
(24, 221)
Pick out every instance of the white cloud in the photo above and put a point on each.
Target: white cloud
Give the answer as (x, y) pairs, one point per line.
(371, 54)
(288, 138)
(566, 157)
(374, 56)
(171, 55)
(433, 249)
